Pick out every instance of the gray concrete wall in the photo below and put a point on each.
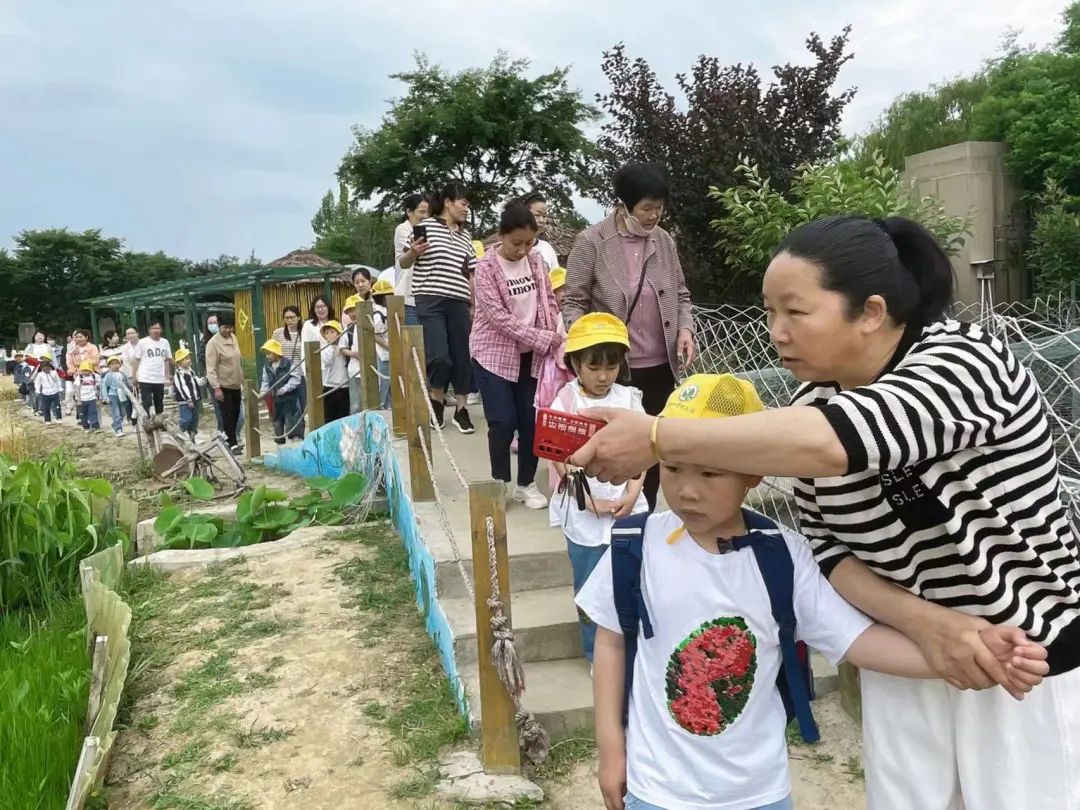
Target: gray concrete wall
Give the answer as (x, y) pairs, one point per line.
(971, 181)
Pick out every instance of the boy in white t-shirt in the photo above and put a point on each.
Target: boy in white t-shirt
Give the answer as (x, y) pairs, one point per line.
(706, 720)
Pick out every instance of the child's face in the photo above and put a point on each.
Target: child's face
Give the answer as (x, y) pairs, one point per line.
(271, 357)
(706, 499)
(331, 335)
(185, 363)
(597, 376)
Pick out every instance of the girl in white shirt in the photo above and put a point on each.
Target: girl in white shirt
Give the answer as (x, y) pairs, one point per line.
(335, 374)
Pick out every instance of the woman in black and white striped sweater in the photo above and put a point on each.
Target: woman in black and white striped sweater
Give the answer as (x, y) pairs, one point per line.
(927, 485)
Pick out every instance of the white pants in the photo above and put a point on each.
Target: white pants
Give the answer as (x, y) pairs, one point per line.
(928, 746)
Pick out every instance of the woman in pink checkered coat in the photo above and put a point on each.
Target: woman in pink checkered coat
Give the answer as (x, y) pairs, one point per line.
(516, 324)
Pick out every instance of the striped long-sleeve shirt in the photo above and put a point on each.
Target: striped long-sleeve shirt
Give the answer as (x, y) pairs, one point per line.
(186, 386)
(952, 489)
(439, 270)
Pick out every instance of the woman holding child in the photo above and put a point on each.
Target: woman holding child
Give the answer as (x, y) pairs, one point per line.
(927, 486)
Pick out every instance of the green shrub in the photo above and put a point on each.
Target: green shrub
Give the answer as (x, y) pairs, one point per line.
(1054, 251)
(758, 216)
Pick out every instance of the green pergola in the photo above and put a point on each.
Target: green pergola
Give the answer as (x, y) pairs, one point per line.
(189, 296)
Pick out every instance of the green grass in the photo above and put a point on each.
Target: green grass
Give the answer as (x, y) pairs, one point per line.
(44, 686)
(854, 769)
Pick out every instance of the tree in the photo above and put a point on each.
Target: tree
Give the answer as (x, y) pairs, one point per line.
(1054, 252)
(758, 216)
(11, 281)
(728, 117)
(493, 128)
(348, 235)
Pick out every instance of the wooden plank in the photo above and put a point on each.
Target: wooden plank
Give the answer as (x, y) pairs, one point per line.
(850, 691)
(313, 360)
(87, 758)
(252, 444)
(395, 317)
(417, 414)
(498, 728)
(369, 361)
(97, 681)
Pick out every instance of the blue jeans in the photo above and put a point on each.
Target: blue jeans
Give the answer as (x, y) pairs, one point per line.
(508, 406)
(634, 803)
(49, 405)
(384, 384)
(189, 417)
(287, 419)
(117, 411)
(88, 415)
(411, 318)
(583, 560)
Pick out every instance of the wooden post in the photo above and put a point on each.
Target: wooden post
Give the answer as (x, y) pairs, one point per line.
(417, 416)
(850, 691)
(251, 421)
(395, 316)
(368, 359)
(498, 728)
(313, 361)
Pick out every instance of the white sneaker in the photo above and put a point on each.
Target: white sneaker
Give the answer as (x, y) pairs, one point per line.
(530, 496)
(472, 399)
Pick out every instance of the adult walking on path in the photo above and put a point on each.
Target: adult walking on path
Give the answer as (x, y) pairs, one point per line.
(927, 485)
(152, 367)
(517, 325)
(127, 366)
(441, 265)
(225, 374)
(628, 265)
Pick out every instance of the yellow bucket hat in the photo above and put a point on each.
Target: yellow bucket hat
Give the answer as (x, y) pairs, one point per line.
(86, 365)
(182, 354)
(558, 277)
(114, 359)
(595, 328)
(336, 325)
(272, 346)
(707, 396)
(382, 287)
(351, 302)
(45, 358)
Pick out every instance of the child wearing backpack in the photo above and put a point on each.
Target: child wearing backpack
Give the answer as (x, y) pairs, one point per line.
(87, 384)
(114, 391)
(281, 382)
(188, 393)
(596, 348)
(698, 609)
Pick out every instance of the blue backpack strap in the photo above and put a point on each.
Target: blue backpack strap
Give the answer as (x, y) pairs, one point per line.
(795, 680)
(627, 540)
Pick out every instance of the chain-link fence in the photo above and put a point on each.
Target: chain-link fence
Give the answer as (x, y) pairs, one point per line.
(1043, 334)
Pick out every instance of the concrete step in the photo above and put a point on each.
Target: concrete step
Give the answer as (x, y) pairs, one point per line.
(537, 551)
(545, 625)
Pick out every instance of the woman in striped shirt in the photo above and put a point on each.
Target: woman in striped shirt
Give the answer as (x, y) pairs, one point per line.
(928, 488)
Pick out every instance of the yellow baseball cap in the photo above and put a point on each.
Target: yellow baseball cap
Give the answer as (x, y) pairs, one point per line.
(336, 325)
(595, 328)
(351, 302)
(558, 277)
(382, 287)
(273, 346)
(86, 365)
(707, 396)
(182, 354)
(478, 247)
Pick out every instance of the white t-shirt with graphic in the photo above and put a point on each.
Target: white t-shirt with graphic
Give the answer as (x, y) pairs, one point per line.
(151, 355)
(582, 526)
(706, 725)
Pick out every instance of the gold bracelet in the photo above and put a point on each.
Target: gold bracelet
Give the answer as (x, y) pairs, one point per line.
(652, 439)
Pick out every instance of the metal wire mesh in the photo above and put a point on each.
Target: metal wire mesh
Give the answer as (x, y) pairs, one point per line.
(1043, 334)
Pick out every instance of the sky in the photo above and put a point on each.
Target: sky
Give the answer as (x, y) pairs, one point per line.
(205, 128)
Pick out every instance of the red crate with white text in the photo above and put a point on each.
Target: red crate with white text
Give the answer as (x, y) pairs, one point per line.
(559, 434)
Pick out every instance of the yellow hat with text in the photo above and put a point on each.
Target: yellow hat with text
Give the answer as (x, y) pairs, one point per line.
(272, 346)
(708, 396)
(558, 277)
(594, 329)
(182, 354)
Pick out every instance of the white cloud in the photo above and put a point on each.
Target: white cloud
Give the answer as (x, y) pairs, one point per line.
(201, 127)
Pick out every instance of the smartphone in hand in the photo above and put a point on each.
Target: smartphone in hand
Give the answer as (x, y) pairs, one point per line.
(419, 233)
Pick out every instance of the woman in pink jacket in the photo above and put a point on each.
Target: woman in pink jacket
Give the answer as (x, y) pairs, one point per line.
(516, 324)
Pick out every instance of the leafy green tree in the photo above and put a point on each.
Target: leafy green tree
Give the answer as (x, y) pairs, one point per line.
(148, 269)
(758, 216)
(497, 130)
(1054, 249)
(730, 114)
(11, 281)
(347, 235)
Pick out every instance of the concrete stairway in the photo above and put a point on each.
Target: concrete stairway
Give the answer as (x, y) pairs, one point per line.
(558, 686)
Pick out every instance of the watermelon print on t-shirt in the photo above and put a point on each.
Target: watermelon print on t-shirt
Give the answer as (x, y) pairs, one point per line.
(710, 675)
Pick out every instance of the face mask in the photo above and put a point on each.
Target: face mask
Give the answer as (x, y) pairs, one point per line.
(212, 328)
(634, 226)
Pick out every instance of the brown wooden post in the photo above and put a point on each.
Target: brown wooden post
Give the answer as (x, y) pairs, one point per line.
(313, 361)
(498, 728)
(850, 690)
(368, 359)
(417, 416)
(395, 316)
(252, 445)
